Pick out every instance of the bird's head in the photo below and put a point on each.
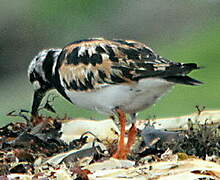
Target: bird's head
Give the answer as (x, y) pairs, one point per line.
(40, 72)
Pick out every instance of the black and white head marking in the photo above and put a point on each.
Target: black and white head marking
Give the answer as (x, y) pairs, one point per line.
(42, 67)
(40, 72)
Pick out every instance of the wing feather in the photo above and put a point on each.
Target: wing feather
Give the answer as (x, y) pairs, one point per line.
(94, 63)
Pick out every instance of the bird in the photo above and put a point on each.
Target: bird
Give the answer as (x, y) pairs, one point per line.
(113, 77)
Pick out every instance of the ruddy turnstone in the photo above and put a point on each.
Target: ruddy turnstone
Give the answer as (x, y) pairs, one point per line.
(108, 76)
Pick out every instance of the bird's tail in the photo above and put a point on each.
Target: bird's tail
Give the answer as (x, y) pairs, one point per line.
(183, 80)
(181, 76)
(188, 67)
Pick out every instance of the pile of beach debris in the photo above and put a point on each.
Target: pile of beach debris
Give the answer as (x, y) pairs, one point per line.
(55, 148)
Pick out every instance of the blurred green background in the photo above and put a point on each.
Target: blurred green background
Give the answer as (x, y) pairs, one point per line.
(186, 31)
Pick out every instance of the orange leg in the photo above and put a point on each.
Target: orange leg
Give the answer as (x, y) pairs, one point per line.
(121, 152)
(131, 137)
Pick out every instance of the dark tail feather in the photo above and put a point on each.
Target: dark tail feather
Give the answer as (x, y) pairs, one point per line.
(188, 67)
(183, 80)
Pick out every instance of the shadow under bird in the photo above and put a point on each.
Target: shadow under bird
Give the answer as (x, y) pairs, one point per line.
(109, 76)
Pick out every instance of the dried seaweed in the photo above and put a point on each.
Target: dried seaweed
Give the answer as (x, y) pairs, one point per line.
(28, 149)
(199, 140)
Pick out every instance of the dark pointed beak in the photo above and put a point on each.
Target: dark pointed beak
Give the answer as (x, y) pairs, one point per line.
(38, 96)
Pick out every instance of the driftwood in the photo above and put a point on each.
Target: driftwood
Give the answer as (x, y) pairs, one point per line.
(181, 122)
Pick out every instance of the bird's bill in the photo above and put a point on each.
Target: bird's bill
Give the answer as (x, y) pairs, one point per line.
(38, 96)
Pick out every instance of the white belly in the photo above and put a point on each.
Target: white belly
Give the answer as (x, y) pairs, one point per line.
(130, 98)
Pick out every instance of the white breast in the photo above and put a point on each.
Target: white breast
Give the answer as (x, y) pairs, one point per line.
(130, 98)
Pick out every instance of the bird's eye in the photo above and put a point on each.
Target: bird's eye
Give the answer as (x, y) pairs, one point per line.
(36, 85)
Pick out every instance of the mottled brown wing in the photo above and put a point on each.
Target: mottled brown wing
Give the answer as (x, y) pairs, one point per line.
(94, 63)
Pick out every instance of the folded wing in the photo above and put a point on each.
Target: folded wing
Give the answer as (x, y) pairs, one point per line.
(95, 63)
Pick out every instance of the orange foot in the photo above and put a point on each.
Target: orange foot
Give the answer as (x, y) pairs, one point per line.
(123, 150)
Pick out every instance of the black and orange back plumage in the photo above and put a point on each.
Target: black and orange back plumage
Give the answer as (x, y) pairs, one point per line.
(93, 63)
